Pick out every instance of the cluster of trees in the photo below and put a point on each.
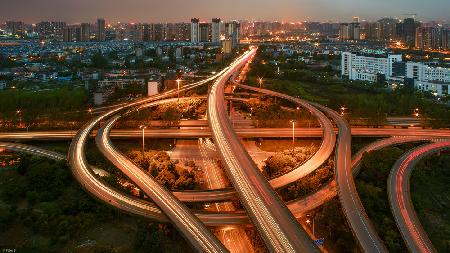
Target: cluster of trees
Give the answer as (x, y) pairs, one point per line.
(269, 112)
(167, 172)
(331, 224)
(282, 162)
(309, 184)
(372, 188)
(131, 90)
(156, 238)
(30, 108)
(170, 114)
(430, 195)
(5, 62)
(42, 197)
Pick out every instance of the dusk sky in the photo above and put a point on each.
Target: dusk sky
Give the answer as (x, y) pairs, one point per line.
(74, 11)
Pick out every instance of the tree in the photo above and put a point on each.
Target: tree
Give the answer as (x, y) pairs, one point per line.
(99, 61)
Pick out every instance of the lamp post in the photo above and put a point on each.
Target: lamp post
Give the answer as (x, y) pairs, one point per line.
(260, 80)
(293, 134)
(308, 220)
(343, 110)
(143, 127)
(416, 112)
(19, 114)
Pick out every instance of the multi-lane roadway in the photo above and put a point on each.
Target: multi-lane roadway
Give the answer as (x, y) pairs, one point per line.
(402, 207)
(18, 147)
(348, 196)
(276, 225)
(195, 132)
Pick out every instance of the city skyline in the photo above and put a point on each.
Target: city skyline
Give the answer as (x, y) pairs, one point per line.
(265, 10)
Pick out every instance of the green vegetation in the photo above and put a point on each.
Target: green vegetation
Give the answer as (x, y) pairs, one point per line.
(165, 171)
(275, 145)
(5, 62)
(132, 90)
(309, 184)
(29, 108)
(273, 113)
(42, 209)
(431, 197)
(331, 224)
(282, 162)
(169, 114)
(99, 61)
(372, 188)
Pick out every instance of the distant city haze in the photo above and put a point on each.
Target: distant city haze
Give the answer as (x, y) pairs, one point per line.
(74, 11)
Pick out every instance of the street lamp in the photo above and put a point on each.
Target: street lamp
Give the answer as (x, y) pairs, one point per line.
(308, 220)
(143, 127)
(260, 80)
(178, 84)
(343, 110)
(416, 112)
(293, 134)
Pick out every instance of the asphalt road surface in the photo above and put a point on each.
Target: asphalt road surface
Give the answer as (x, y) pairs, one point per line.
(402, 207)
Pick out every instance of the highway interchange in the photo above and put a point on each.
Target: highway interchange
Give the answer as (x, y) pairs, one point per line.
(274, 220)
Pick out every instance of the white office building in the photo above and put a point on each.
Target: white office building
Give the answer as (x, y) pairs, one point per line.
(367, 67)
(429, 77)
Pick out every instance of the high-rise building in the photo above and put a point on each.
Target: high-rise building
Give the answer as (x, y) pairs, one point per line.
(85, 32)
(349, 31)
(195, 30)
(215, 31)
(232, 31)
(158, 32)
(146, 32)
(182, 31)
(67, 34)
(15, 28)
(50, 30)
(227, 46)
(204, 32)
(101, 26)
(386, 29)
(445, 39)
(409, 31)
(77, 34)
(58, 29)
(427, 38)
